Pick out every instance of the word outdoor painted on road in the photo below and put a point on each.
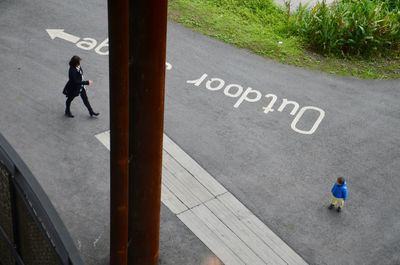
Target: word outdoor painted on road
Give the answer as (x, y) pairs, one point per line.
(253, 95)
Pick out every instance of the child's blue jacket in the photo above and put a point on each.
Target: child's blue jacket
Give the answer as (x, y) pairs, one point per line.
(340, 191)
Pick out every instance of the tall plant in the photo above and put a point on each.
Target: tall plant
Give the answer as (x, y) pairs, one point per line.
(349, 27)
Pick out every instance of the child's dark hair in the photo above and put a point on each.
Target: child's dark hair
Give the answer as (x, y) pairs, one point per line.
(340, 180)
(75, 61)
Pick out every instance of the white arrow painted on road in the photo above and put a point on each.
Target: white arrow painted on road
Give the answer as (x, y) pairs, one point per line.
(59, 33)
(86, 43)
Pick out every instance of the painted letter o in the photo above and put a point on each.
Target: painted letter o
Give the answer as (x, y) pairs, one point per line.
(300, 114)
(234, 95)
(209, 82)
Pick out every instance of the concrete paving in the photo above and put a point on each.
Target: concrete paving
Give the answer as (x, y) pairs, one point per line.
(281, 175)
(295, 3)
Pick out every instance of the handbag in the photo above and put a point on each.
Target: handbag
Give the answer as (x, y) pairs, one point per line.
(66, 89)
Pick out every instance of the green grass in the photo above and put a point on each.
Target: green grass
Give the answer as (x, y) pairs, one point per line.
(262, 27)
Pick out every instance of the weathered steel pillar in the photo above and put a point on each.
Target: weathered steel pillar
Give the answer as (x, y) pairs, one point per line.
(118, 23)
(147, 47)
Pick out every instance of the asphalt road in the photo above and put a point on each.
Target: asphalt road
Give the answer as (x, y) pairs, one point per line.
(267, 160)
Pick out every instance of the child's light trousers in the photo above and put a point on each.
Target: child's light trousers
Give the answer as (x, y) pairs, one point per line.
(337, 202)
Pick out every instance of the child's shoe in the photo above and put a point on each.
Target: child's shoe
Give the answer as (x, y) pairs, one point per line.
(339, 209)
(331, 207)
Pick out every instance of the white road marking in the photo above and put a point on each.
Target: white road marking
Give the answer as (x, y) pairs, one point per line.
(215, 216)
(59, 33)
(84, 43)
(104, 138)
(97, 239)
(251, 95)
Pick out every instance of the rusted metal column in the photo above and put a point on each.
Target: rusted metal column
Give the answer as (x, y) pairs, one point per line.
(147, 24)
(118, 27)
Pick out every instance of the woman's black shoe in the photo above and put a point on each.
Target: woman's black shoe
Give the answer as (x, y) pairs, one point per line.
(94, 114)
(69, 115)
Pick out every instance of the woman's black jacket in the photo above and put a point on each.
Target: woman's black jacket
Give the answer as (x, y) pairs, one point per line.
(75, 83)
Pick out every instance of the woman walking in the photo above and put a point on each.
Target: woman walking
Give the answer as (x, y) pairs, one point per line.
(76, 86)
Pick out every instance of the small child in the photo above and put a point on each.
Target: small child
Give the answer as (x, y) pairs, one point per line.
(339, 193)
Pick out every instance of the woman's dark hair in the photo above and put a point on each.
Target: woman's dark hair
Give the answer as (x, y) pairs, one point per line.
(75, 61)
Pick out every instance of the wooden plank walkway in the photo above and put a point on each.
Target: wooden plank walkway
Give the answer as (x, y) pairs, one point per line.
(214, 215)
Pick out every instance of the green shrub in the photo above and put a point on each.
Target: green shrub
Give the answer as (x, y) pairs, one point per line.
(392, 4)
(349, 27)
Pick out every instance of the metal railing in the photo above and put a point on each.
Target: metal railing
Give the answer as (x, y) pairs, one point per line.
(31, 232)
